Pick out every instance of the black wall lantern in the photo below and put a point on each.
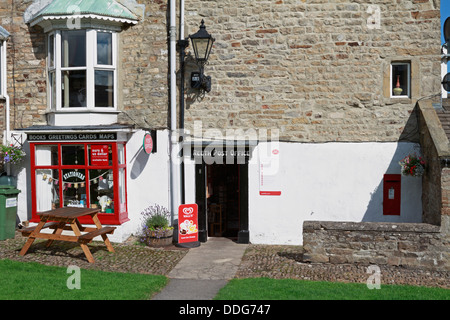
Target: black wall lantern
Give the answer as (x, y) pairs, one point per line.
(202, 43)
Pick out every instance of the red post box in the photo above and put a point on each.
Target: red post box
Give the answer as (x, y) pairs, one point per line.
(391, 194)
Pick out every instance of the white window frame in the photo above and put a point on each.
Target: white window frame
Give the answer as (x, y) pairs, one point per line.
(392, 80)
(91, 66)
(101, 67)
(52, 69)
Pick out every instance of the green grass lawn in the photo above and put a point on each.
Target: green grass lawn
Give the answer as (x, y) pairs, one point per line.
(33, 281)
(288, 289)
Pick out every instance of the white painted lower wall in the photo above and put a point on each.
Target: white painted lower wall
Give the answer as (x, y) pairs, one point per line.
(148, 181)
(328, 182)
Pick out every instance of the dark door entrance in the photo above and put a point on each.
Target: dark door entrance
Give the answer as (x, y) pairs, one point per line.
(222, 197)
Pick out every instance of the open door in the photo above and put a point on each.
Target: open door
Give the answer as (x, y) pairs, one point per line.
(200, 199)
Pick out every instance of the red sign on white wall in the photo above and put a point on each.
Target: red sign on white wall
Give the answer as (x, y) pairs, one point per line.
(188, 223)
(269, 180)
(148, 143)
(99, 155)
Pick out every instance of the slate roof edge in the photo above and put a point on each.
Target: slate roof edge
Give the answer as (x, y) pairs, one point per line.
(36, 12)
(47, 128)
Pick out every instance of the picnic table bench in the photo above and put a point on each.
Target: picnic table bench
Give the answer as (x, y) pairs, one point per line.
(67, 219)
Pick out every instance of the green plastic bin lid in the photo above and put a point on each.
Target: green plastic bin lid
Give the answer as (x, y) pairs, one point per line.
(6, 189)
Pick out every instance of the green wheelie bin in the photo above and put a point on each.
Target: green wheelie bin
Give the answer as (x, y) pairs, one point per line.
(8, 211)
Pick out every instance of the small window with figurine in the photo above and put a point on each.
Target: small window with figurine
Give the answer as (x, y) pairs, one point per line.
(400, 80)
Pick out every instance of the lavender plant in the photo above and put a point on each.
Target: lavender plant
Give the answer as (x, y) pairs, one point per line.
(155, 223)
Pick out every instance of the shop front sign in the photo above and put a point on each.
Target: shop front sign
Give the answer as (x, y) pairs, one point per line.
(94, 136)
(74, 174)
(219, 154)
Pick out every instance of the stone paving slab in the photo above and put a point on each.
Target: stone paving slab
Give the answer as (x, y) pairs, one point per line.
(204, 270)
(216, 259)
(190, 289)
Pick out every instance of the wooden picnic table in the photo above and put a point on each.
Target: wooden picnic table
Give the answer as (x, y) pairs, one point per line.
(67, 219)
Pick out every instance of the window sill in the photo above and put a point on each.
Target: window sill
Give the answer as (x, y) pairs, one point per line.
(400, 99)
(85, 110)
(78, 116)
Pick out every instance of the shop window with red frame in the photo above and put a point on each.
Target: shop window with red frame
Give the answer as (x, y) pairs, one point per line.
(86, 174)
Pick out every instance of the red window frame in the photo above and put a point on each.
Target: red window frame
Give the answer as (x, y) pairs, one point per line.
(105, 218)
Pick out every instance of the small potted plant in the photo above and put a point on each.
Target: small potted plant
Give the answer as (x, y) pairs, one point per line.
(156, 228)
(412, 165)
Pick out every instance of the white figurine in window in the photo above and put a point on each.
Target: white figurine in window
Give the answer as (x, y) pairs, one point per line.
(104, 201)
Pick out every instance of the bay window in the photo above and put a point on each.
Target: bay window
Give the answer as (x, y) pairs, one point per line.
(82, 70)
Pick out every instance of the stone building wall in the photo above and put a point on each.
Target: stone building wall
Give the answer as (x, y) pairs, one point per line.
(435, 181)
(26, 67)
(398, 244)
(315, 70)
(144, 68)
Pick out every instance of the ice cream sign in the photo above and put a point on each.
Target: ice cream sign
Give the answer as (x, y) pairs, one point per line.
(188, 223)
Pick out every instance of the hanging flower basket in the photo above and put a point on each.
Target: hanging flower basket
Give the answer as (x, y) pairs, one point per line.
(11, 154)
(412, 165)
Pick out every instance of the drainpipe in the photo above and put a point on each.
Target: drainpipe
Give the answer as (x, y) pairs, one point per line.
(181, 19)
(8, 130)
(7, 104)
(174, 145)
(182, 49)
(7, 119)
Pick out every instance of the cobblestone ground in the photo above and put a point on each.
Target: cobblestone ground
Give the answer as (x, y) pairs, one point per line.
(128, 256)
(277, 262)
(280, 262)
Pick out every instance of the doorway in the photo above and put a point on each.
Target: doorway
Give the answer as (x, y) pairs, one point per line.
(222, 196)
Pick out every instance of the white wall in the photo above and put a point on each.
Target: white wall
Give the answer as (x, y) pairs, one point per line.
(328, 182)
(22, 172)
(147, 180)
